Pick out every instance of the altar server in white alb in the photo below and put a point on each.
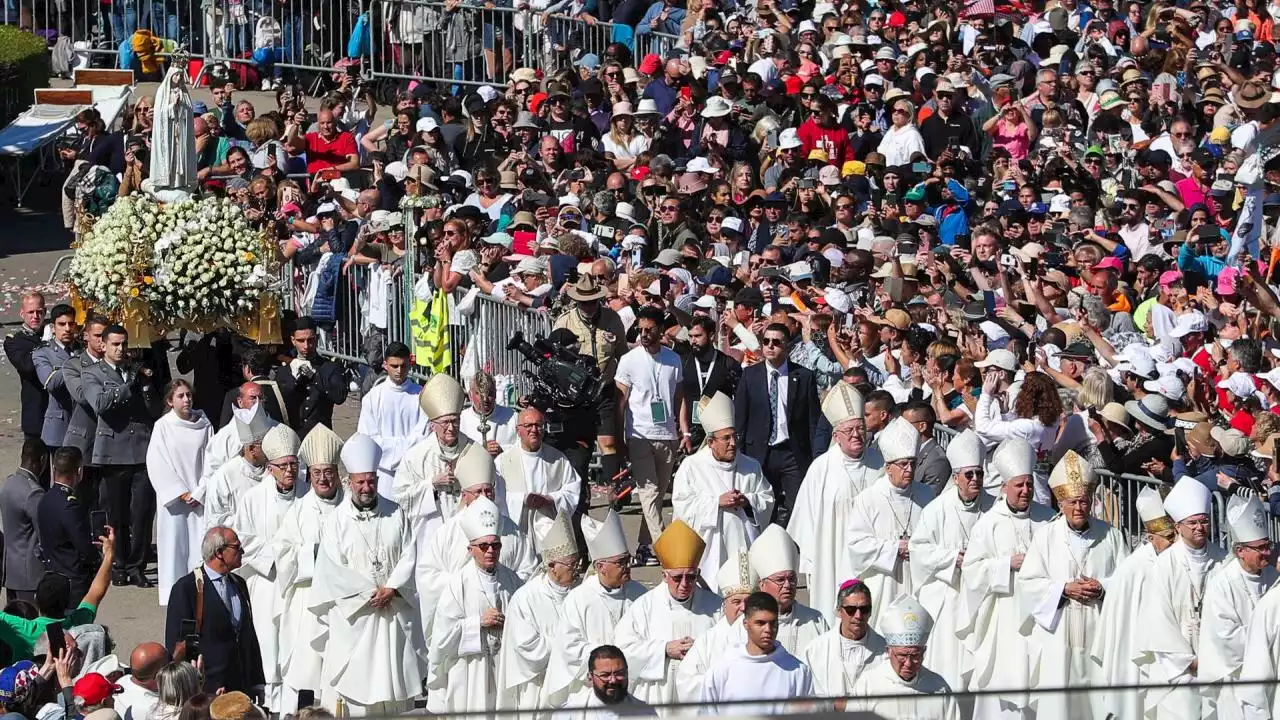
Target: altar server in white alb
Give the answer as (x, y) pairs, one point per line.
(1064, 578)
(719, 492)
(297, 543)
(1230, 596)
(425, 485)
(1173, 604)
(256, 520)
(842, 654)
(592, 611)
(821, 518)
(486, 423)
(1123, 619)
(242, 472)
(538, 481)
(175, 460)
(466, 636)
(736, 580)
(759, 669)
(921, 694)
(363, 590)
(993, 562)
(656, 632)
(938, 548)
(533, 619)
(391, 415)
(886, 514)
(774, 558)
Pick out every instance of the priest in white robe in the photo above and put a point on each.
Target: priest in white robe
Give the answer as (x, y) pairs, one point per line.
(719, 492)
(921, 694)
(885, 515)
(257, 518)
(822, 515)
(1123, 618)
(759, 670)
(1261, 664)
(592, 611)
(736, 581)
(425, 485)
(774, 559)
(297, 544)
(1230, 596)
(937, 548)
(466, 635)
(1064, 576)
(390, 414)
(226, 443)
(533, 619)
(363, 590)
(998, 651)
(242, 472)
(658, 629)
(538, 481)
(1174, 599)
(175, 463)
(842, 654)
(485, 422)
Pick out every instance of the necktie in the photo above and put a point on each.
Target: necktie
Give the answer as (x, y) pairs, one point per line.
(224, 589)
(773, 406)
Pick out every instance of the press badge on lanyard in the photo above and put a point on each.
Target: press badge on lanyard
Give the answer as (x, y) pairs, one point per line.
(658, 408)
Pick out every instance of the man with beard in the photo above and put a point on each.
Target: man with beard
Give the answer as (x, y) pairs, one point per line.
(602, 336)
(391, 414)
(610, 699)
(821, 516)
(762, 670)
(902, 680)
(296, 545)
(311, 385)
(707, 370)
(362, 590)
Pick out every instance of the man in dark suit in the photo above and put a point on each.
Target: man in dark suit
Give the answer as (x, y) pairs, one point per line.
(123, 394)
(18, 347)
(66, 540)
(228, 643)
(256, 369)
(310, 384)
(707, 371)
(19, 507)
(776, 413)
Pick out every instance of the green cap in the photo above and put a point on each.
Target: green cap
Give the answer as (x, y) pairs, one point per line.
(915, 194)
(1093, 150)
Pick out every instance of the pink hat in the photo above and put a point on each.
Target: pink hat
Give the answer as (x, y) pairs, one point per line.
(808, 69)
(1227, 281)
(1169, 277)
(1109, 263)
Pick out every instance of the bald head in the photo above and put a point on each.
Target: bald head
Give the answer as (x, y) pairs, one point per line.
(200, 127)
(145, 662)
(530, 428)
(250, 393)
(674, 69)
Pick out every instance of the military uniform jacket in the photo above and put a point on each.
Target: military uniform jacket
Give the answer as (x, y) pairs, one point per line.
(65, 540)
(124, 403)
(49, 360)
(18, 347)
(84, 421)
(20, 497)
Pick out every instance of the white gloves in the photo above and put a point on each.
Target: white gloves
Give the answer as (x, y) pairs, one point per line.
(301, 368)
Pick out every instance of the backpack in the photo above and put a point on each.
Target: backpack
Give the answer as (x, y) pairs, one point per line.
(268, 33)
(358, 45)
(128, 59)
(97, 190)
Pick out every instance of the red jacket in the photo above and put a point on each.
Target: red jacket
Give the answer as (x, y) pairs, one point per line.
(835, 141)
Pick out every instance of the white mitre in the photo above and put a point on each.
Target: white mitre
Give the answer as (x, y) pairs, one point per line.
(736, 577)
(716, 413)
(361, 454)
(441, 396)
(281, 441)
(965, 450)
(842, 402)
(1013, 458)
(605, 539)
(480, 519)
(252, 423)
(1248, 519)
(905, 623)
(1188, 497)
(321, 446)
(1152, 513)
(898, 441)
(474, 467)
(558, 543)
(773, 552)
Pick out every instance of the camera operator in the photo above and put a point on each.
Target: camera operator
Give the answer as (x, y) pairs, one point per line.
(601, 335)
(123, 393)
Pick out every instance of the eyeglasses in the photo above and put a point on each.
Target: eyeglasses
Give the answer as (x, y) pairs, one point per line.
(1265, 547)
(856, 609)
(483, 182)
(783, 581)
(529, 426)
(487, 546)
(670, 208)
(844, 206)
(447, 423)
(903, 464)
(682, 578)
(616, 675)
(624, 561)
(232, 546)
(973, 474)
(899, 111)
(773, 342)
(285, 465)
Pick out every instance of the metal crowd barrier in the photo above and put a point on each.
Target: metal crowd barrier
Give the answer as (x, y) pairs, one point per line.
(457, 44)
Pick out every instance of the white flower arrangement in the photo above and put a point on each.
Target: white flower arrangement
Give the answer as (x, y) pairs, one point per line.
(191, 261)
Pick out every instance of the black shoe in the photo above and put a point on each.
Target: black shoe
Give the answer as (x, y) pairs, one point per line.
(119, 578)
(138, 579)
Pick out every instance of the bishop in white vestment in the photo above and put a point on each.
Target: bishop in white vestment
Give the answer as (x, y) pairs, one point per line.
(242, 472)
(997, 650)
(466, 635)
(774, 559)
(257, 518)
(736, 580)
(485, 422)
(363, 590)
(390, 414)
(1173, 600)
(1261, 662)
(823, 511)
(425, 485)
(719, 492)
(758, 670)
(533, 619)
(227, 442)
(537, 479)
(921, 693)
(842, 654)
(297, 543)
(592, 611)
(656, 632)
(1230, 596)
(1123, 618)
(175, 460)
(885, 515)
(1064, 577)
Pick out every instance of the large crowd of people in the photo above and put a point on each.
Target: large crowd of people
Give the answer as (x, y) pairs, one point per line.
(957, 323)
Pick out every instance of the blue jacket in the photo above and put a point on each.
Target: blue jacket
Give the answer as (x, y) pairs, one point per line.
(324, 307)
(952, 218)
(675, 18)
(1206, 265)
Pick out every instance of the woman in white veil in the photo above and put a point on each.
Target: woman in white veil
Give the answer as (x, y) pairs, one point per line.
(173, 142)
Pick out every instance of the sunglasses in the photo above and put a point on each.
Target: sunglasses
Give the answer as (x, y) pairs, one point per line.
(856, 609)
(488, 546)
(773, 342)
(670, 208)
(973, 474)
(682, 578)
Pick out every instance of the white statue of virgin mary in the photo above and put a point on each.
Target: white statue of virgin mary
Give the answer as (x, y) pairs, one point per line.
(173, 140)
